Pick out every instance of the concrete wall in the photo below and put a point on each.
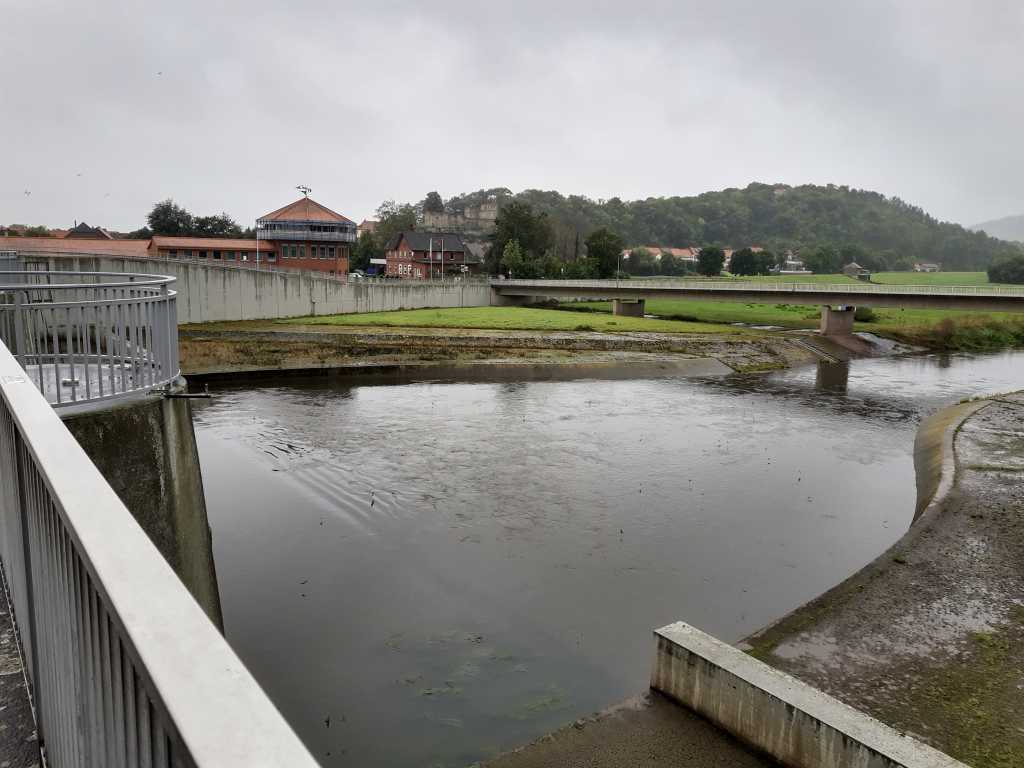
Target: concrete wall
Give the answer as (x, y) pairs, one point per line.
(147, 451)
(208, 292)
(797, 725)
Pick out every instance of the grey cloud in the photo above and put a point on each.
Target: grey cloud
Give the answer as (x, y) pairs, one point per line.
(371, 101)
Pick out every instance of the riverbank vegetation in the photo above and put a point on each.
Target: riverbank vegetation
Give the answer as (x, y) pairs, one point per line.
(515, 319)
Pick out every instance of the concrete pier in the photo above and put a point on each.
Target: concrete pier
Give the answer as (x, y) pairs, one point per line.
(838, 321)
(628, 307)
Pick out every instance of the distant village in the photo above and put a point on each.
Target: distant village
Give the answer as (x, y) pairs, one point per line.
(306, 235)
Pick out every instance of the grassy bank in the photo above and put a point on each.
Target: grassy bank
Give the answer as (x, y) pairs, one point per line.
(513, 319)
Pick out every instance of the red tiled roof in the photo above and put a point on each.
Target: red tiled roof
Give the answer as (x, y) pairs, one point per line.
(62, 245)
(305, 209)
(216, 243)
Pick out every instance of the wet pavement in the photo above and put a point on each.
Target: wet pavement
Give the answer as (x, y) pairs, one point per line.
(648, 731)
(930, 638)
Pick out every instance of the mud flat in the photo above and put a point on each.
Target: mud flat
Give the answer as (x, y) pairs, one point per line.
(929, 638)
(216, 350)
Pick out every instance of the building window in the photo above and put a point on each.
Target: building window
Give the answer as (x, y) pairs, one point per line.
(323, 251)
(330, 251)
(302, 251)
(172, 254)
(203, 254)
(271, 256)
(216, 254)
(195, 254)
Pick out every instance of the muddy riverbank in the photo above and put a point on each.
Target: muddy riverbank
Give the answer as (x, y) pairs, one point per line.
(250, 347)
(929, 638)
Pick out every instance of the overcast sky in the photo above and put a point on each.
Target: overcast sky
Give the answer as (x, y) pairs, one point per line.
(110, 107)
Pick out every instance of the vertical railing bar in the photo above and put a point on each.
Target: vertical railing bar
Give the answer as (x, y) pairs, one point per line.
(107, 688)
(70, 353)
(117, 697)
(143, 706)
(131, 725)
(55, 342)
(83, 312)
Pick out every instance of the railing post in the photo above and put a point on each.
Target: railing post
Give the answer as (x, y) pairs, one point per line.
(19, 330)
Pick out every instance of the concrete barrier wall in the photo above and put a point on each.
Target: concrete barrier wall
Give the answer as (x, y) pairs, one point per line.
(796, 724)
(208, 292)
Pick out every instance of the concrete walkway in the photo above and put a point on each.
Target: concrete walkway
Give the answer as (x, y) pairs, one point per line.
(648, 731)
(930, 637)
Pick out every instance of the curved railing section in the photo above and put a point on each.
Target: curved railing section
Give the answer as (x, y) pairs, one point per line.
(89, 337)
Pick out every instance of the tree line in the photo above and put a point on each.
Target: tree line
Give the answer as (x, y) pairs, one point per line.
(828, 225)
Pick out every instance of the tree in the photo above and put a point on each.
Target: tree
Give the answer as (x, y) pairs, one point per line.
(170, 219)
(604, 248)
(433, 203)
(1009, 269)
(640, 262)
(710, 261)
(368, 247)
(143, 233)
(393, 218)
(823, 259)
(743, 262)
(220, 225)
(517, 221)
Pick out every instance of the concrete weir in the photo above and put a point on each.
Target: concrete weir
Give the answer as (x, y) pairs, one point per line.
(796, 724)
(146, 450)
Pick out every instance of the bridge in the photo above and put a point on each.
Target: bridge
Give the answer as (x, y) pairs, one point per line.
(629, 296)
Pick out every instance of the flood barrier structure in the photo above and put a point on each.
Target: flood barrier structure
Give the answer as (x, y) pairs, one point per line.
(796, 724)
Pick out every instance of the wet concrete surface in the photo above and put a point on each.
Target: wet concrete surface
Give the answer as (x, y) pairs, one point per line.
(648, 731)
(19, 747)
(930, 638)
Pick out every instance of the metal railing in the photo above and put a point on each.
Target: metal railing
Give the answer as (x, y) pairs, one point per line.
(85, 337)
(125, 667)
(769, 287)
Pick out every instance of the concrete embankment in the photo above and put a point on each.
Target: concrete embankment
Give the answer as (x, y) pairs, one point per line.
(929, 638)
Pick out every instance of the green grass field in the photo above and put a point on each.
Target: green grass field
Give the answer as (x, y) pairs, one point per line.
(513, 319)
(930, 278)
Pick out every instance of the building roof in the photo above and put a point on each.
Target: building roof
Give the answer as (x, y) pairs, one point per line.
(420, 241)
(84, 230)
(215, 243)
(368, 224)
(305, 209)
(853, 265)
(71, 245)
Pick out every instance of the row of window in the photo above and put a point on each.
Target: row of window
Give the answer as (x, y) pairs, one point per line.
(291, 251)
(299, 227)
(221, 255)
(435, 256)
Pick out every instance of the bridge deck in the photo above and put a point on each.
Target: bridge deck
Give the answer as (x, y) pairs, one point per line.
(993, 298)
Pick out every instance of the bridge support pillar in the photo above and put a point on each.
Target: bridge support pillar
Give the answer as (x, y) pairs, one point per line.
(628, 308)
(837, 322)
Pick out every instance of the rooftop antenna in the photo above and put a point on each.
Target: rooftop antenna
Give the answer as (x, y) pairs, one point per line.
(304, 189)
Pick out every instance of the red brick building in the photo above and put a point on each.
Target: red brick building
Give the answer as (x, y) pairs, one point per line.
(301, 235)
(307, 235)
(421, 255)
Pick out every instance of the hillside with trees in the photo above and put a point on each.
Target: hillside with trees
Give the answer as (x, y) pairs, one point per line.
(833, 222)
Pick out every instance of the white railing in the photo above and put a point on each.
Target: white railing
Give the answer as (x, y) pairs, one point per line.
(994, 291)
(85, 337)
(125, 667)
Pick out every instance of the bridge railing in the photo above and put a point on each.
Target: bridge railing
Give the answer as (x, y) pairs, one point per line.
(85, 337)
(125, 667)
(768, 287)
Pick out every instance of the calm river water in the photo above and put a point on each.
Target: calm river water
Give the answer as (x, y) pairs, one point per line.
(428, 574)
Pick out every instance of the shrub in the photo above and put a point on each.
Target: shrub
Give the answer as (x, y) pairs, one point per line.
(865, 315)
